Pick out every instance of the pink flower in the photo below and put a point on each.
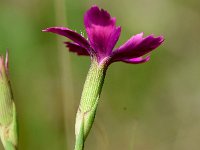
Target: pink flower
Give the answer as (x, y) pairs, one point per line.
(103, 35)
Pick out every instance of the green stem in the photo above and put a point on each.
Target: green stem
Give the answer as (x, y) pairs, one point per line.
(79, 145)
(89, 101)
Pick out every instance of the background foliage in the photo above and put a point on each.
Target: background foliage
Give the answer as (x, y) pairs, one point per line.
(154, 106)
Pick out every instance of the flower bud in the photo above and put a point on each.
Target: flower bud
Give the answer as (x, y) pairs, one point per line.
(8, 125)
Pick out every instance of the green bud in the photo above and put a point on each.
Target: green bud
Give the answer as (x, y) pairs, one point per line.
(8, 123)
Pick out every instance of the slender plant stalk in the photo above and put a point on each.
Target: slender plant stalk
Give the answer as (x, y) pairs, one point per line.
(67, 91)
(89, 101)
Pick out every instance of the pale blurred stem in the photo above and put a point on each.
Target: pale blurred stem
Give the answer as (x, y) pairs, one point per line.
(66, 79)
(89, 101)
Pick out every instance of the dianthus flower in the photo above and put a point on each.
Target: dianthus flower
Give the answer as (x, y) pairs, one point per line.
(103, 35)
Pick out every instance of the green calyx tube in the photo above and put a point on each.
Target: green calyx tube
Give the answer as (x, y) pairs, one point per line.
(89, 101)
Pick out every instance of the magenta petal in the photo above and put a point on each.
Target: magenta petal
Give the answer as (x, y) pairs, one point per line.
(73, 47)
(137, 60)
(77, 38)
(101, 30)
(137, 46)
(95, 16)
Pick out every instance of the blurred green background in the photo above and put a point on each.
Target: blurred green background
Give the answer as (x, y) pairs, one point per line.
(152, 106)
